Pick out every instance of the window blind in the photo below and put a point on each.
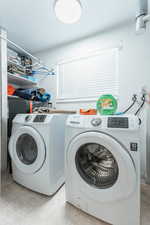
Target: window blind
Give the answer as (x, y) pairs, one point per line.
(89, 77)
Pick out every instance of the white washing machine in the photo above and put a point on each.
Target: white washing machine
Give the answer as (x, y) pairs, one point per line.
(103, 167)
(36, 148)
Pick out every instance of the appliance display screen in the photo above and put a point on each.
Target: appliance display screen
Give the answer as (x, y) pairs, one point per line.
(118, 122)
(39, 118)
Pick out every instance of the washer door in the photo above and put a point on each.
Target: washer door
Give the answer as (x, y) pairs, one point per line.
(27, 149)
(101, 167)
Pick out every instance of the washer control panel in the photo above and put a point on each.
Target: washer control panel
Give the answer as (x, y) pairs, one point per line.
(96, 122)
(39, 119)
(118, 122)
(128, 122)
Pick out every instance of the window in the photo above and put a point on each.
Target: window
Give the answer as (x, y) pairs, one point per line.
(88, 77)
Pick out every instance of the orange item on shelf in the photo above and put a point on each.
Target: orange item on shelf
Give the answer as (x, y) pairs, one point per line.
(88, 112)
(10, 89)
(31, 107)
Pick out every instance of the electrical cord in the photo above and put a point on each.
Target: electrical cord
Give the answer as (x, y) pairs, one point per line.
(134, 99)
(142, 104)
(140, 121)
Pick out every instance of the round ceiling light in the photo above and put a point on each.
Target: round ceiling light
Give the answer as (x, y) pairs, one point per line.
(68, 11)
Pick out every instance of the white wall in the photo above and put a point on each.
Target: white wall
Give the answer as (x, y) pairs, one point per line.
(134, 62)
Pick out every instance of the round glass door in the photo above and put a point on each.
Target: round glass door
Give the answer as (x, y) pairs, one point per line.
(97, 165)
(27, 149)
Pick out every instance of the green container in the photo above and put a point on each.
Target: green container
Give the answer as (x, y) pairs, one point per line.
(107, 105)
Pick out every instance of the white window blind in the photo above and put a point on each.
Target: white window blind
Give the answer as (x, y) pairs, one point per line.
(88, 77)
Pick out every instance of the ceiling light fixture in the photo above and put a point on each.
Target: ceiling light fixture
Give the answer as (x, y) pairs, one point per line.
(68, 11)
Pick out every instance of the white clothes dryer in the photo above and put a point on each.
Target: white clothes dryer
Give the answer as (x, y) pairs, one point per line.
(36, 148)
(103, 167)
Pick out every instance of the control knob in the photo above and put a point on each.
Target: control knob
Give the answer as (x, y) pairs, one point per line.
(28, 118)
(96, 122)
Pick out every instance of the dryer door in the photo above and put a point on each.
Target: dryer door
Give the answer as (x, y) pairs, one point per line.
(101, 167)
(27, 150)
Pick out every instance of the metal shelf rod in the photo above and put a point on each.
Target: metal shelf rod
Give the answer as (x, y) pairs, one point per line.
(26, 52)
(20, 48)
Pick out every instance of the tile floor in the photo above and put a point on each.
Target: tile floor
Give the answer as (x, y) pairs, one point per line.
(19, 206)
